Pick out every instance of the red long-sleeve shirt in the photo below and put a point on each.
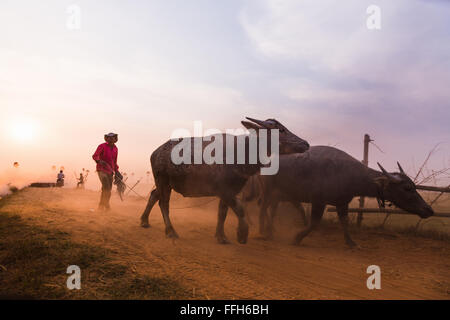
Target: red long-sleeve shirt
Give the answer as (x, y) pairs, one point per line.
(109, 155)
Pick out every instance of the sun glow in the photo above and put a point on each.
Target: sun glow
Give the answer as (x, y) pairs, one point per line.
(23, 130)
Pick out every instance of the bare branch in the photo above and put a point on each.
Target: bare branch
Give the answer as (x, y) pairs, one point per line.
(432, 151)
(437, 197)
(434, 175)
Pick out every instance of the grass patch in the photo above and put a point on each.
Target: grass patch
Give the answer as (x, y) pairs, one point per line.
(396, 224)
(409, 230)
(422, 233)
(33, 264)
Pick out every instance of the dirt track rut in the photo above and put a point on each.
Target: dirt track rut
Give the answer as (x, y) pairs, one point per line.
(322, 267)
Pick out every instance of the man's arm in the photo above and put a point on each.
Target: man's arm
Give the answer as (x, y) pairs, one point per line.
(116, 166)
(97, 155)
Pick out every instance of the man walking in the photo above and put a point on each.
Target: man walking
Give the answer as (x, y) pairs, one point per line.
(60, 179)
(80, 181)
(106, 158)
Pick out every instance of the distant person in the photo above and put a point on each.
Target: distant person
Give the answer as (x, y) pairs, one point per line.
(80, 181)
(106, 158)
(60, 179)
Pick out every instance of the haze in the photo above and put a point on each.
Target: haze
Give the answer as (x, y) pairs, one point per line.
(146, 68)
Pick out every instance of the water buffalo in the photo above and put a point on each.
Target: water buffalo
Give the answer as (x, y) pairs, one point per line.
(328, 176)
(222, 180)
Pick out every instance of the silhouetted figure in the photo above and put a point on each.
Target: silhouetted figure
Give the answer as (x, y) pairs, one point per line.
(80, 181)
(60, 179)
(106, 158)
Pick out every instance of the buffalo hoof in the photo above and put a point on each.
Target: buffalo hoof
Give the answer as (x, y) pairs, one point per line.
(145, 224)
(268, 234)
(221, 239)
(297, 241)
(261, 230)
(268, 237)
(242, 234)
(352, 245)
(171, 233)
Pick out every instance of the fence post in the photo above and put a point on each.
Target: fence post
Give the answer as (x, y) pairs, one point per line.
(366, 163)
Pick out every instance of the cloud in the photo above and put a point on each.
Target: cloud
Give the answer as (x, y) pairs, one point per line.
(340, 80)
(300, 30)
(81, 99)
(341, 66)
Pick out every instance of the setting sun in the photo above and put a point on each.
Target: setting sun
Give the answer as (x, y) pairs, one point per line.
(231, 153)
(24, 130)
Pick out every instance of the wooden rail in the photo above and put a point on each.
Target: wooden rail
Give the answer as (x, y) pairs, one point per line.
(361, 210)
(431, 188)
(394, 211)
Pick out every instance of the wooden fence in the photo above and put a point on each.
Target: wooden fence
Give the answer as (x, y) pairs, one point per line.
(361, 210)
(389, 211)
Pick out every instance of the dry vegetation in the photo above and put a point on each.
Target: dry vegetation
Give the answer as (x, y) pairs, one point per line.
(45, 230)
(33, 261)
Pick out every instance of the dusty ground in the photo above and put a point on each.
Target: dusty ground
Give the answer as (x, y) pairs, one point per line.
(322, 267)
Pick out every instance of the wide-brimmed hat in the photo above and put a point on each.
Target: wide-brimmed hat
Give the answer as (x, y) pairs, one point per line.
(111, 135)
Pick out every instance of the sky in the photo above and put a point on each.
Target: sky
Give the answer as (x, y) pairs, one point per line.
(146, 68)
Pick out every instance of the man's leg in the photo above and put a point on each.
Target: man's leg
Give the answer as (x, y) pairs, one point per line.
(104, 180)
(109, 184)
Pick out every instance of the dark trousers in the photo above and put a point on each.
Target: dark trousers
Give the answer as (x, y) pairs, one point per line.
(107, 181)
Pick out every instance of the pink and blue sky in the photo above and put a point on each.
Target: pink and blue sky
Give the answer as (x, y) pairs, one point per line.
(146, 68)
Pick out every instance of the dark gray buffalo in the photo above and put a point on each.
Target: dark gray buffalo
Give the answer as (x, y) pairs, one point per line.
(221, 180)
(328, 176)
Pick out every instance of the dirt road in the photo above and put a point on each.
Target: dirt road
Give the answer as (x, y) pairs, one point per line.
(322, 267)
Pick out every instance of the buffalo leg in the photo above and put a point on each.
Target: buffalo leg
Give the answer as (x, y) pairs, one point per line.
(246, 211)
(263, 215)
(316, 216)
(151, 202)
(301, 212)
(220, 232)
(242, 231)
(164, 197)
(343, 218)
(270, 225)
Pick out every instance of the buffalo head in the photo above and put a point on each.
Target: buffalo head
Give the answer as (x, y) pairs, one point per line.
(289, 142)
(400, 190)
